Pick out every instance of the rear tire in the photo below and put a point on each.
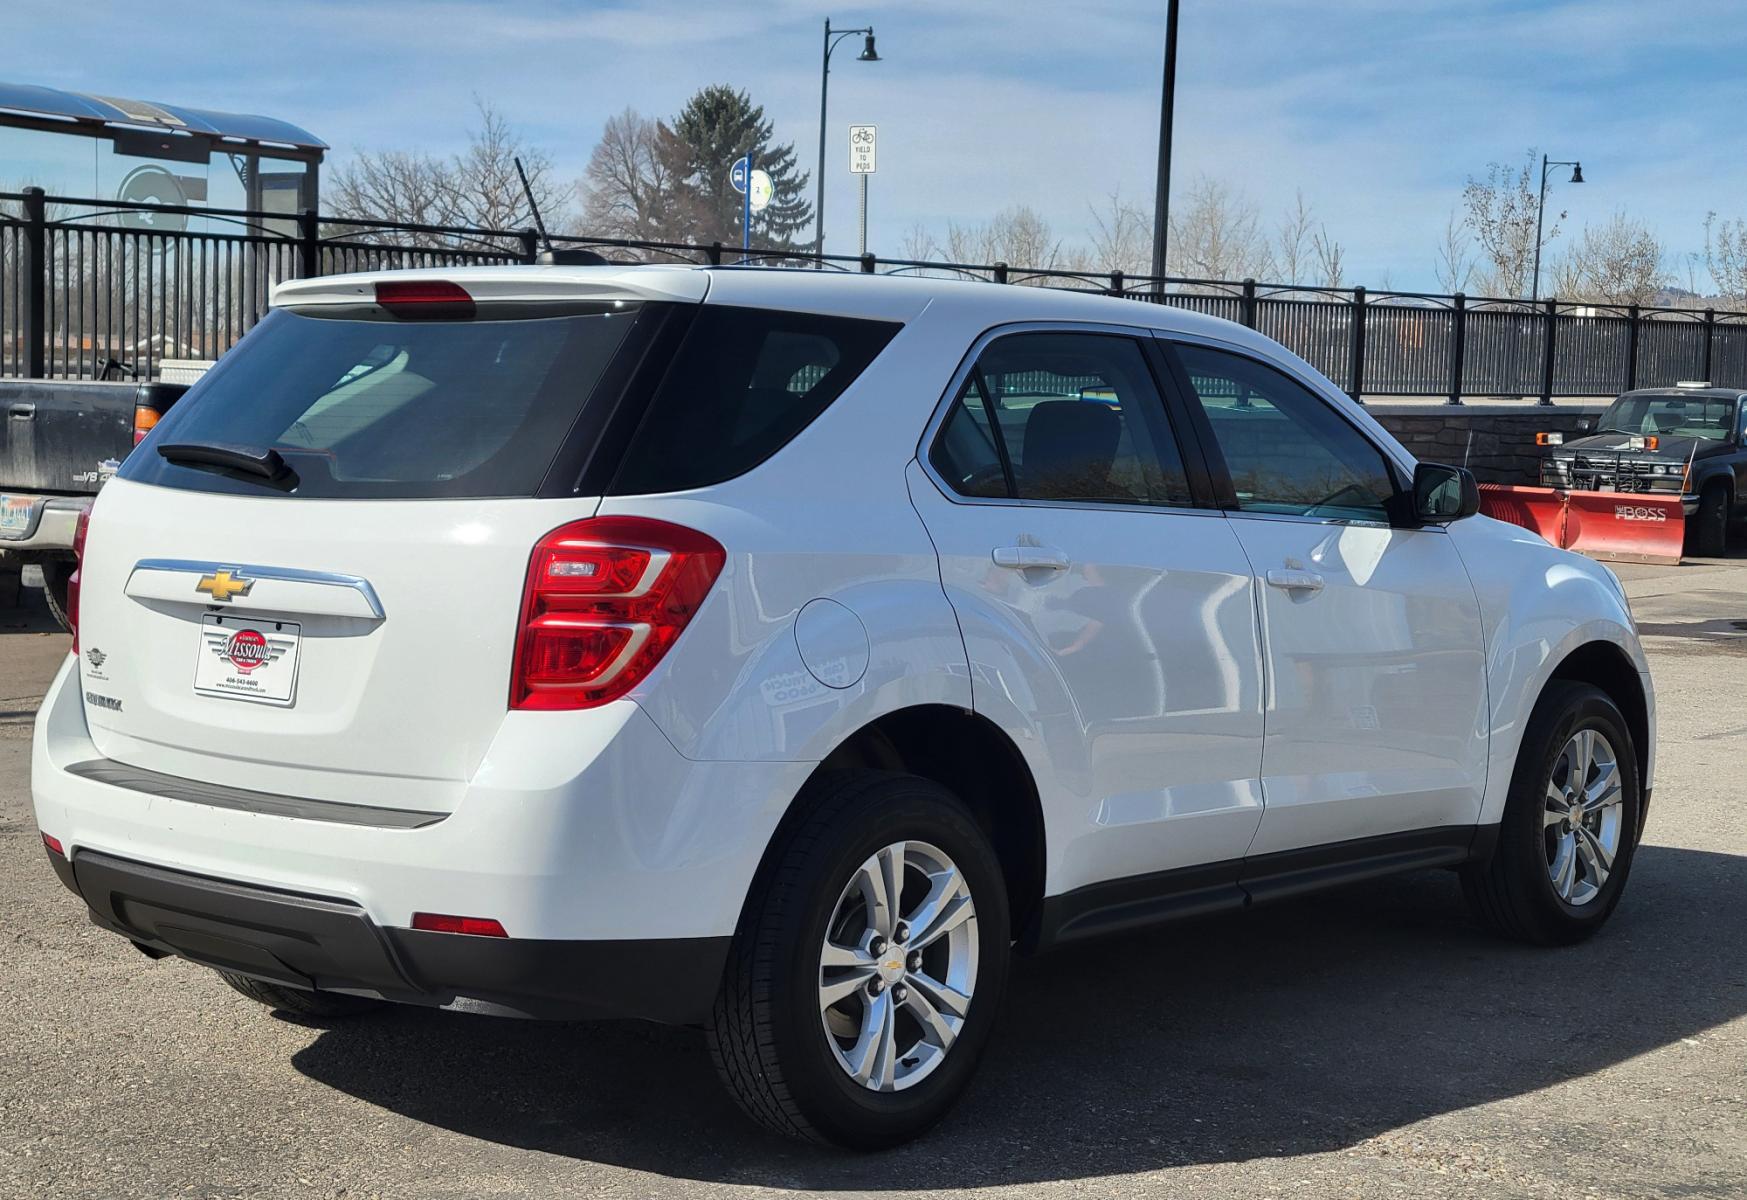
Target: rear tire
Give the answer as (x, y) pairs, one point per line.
(1710, 524)
(321, 1005)
(793, 1057)
(55, 575)
(1556, 874)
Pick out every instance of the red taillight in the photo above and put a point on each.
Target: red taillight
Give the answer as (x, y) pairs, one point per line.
(444, 923)
(433, 299)
(79, 533)
(604, 600)
(53, 845)
(144, 420)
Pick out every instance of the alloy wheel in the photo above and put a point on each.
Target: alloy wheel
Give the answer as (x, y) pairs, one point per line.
(1582, 818)
(898, 966)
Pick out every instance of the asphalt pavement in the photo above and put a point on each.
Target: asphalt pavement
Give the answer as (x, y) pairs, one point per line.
(1368, 1043)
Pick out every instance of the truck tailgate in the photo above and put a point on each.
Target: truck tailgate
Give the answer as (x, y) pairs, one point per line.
(53, 433)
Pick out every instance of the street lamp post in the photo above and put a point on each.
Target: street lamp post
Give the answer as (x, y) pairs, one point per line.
(1162, 190)
(1541, 214)
(868, 54)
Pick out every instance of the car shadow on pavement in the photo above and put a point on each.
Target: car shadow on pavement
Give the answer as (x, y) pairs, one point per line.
(1285, 1031)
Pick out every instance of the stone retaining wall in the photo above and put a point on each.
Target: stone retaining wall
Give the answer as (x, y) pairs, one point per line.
(1495, 441)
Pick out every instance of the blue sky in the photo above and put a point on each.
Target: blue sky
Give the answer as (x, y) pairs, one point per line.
(1377, 110)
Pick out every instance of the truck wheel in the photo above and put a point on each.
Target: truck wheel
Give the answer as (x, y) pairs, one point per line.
(321, 1005)
(1710, 524)
(55, 574)
(1570, 823)
(868, 967)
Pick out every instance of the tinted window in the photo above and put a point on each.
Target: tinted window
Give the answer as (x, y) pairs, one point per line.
(965, 454)
(386, 408)
(743, 384)
(1287, 450)
(1079, 417)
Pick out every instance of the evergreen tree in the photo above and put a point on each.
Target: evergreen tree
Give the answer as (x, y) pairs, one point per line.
(717, 126)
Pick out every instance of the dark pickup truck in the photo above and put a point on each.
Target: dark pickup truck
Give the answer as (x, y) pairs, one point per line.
(1690, 440)
(59, 441)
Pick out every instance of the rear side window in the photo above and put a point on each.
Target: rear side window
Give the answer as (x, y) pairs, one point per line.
(744, 383)
(394, 409)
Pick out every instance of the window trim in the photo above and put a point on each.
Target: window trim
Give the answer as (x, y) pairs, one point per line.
(1401, 471)
(1203, 500)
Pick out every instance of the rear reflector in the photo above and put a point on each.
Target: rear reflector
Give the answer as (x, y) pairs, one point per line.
(444, 923)
(53, 844)
(604, 601)
(73, 580)
(144, 420)
(431, 299)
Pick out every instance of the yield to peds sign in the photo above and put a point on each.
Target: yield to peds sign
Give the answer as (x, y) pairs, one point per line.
(861, 149)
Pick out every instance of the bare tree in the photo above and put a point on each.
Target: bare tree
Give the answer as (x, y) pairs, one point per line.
(1217, 234)
(1455, 264)
(1502, 210)
(1726, 256)
(1620, 262)
(631, 188)
(919, 244)
(478, 188)
(1296, 232)
(1122, 237)
(1018, 235)
(1330, 259)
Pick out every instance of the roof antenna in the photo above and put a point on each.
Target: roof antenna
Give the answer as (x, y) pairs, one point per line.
(551, 256)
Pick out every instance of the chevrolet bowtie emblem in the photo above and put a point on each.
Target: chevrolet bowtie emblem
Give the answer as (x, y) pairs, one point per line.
(222, 586)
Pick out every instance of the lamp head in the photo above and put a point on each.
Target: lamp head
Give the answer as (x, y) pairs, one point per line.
(868, 53)
(1576, 172)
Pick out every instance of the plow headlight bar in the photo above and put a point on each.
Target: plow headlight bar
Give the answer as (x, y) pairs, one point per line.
(1549, 439)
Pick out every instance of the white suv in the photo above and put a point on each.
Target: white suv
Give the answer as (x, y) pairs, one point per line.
(776, 651)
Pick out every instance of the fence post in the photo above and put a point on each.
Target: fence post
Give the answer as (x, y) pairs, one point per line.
(1116, 283)
(1357, 390)
(308, 244)
(1710, 335)
(1000, 272)
(1632, 315)
(867, 264)
(530, 247)
(35, 267)
(1550, 348)
(1458, 345)
(1247, 306)
(715, 254)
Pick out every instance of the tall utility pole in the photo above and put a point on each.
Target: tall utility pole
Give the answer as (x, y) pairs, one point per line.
(1167, 102)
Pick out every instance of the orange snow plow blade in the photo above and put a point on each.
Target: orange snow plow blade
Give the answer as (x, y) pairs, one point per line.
(1611, 526)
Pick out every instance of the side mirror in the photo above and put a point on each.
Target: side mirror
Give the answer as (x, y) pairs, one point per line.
(1443, 494)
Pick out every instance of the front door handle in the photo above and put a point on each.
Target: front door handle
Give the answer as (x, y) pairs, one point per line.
(1026, 558)
(1296, 581)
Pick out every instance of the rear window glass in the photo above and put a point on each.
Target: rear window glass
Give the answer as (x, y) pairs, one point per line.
(744, 383)
(385, 408)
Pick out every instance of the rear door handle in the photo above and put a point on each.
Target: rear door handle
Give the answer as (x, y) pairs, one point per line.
(23, 412)
(1025, 558)
(1296, 581)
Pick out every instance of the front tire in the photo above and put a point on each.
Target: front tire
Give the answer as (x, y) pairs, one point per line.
(1570, 826)
(1710, 524)
(868, 967)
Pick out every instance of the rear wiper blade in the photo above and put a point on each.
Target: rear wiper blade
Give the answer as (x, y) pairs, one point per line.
(265, 462)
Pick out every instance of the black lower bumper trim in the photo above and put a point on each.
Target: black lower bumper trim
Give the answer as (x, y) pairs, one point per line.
(319, 942)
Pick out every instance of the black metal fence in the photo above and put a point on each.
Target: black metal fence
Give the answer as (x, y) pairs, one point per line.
(89, 287)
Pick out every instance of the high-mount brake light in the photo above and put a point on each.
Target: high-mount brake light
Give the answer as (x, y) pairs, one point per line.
(604, 600)
(444, 923)
(427, 299)
(75, 579)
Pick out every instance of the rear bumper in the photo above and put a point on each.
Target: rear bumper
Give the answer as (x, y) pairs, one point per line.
(319, 943)
(605, 857)
(52, 527)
